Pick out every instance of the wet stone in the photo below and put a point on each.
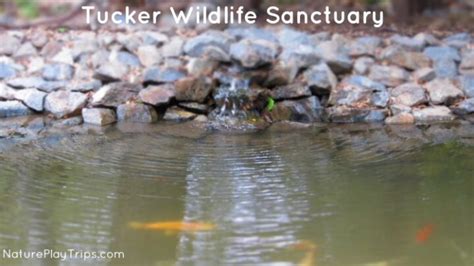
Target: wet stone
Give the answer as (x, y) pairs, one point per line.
(115, 94)
(136, 112)
(13, 108)
(193, 89)
(195, 107)
(178, 114)
(433, 114)
(344, 114)
(65, 103)
(98, 116)
(32, 98)
(400, 119)
(307, 110)
(359, 91)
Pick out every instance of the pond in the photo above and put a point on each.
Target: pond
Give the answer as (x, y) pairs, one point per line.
(325, 195)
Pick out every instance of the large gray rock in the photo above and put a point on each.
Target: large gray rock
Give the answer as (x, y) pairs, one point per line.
(443, 91)
(65, 103)
(357, 91)
(193, 89)
(201, 66)
(408, 43)
(6, 71)
(281, 74)
(336, 56)
(407, 59)
(253, 33)
(211, 43)
(98, 116)
(467, 63)
(408, 94)
(58, 72)
(173, 48)
(136, 112)
(162, 75)
(115, 94)
(466, 83)
(465, 107)
(442, 53)
(365, 46)
(149, 55)
(157, 95)
(345, 114)
(111, 71)
(6, 93)
(362, 65)
(291, 91)
(445, 68)
(9, 45)
(253, 53)
(32, 98)
(301, 56)
(37, 83)
(388, 75)
(307, 110)
(458, 40)
(13, 108)
(320, 79)
(433, 114)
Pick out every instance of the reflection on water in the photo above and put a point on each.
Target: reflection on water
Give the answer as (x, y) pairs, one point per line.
(359, 193)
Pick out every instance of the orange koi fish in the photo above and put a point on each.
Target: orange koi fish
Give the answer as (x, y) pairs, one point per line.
(310, 256)
(424, 233)
(174, 226)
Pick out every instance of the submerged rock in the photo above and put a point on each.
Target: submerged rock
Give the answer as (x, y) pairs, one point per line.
(136, 112)
(115, 94)
(157, 95)
(433, 114)
(443, 91)
(13, 108)
(307, 110)
(65, 103)
(98, 116)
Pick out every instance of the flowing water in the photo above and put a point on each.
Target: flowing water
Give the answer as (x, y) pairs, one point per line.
(364, 195)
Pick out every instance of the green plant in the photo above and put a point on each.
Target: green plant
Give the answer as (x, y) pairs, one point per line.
(270, 104)
(27, 8)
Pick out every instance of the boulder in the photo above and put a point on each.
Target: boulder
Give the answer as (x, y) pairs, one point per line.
(466, 83)
(445, 68)
(6, 71)
(406, 59)
(357, 91)
(408, 94)
(193, 89)
(6, 93)
(301, 56)
(365, 46)
(408, 43)
(467, 62)
(65, 103)
(58, 72)
(178, 114)
(98, 116)
(198, 66)
(307, 110)
(111, 72)
(136, 112)
(128, 59)
(388, 75)
(149, 55)
(424, 75)
(9, 45)
(115, 94)
(336, 56)
(13, 108)
(162, 75)
(281, 74)
(362, 65)
(210, 43)
(345, 114)
(443, 91)
(253, 53)
(174, 48)
(157, 95)
(291, 91)
(320, 79)
(399, 108)
(399, 119)
(433, 114)
(442, 53)
(32, 98)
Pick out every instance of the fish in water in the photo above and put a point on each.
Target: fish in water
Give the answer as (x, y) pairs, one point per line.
(423, 234)
(310, 256)
(174, 226)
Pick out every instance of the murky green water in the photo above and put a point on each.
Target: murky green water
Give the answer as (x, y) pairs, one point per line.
(360, 193)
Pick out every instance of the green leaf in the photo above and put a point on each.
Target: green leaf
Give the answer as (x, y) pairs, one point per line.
(270, 104)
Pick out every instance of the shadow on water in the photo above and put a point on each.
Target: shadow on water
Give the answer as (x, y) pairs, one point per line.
(358, 192)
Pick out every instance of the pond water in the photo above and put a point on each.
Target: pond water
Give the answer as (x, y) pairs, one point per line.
(363, 195)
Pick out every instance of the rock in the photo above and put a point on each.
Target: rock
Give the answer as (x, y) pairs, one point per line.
(307, 110)
(465, 107)
(68, 122)
(388, 75)
(320, 79)
(149, 55)
(6, 71)
(13, 108)
(25, 50)
(458, 40)
(153, 38)
(359, 91)
(253, 33)
(64, 57)
(162, 75)
(467, 63)
(362, 65)
(98, 116)
(466, 83)
(291, 91)
(445, 68)
(344, 114)
(409, 94)
(281, 74)
(136, 112)
(86, 86)
(289, 37)
(433, 114)
(201, 119)
(208, 43)
(301, 56)
(398, 109)
(65, 103)
(6, 93)
(198, 66)
(178, 114)
(442, 53)
(427, 39)
(424, 75)
(128, 59)
(409, 60)
(115, 94)
(253, 53)
(408, 43)
(443, 91)
(336, 56)
(9, 45)
(39, 38)
(195, 107)
(193, 89)
(32, 98)
(174, 48)
(157, 95)
(402, 118)
(365, 46)
(58, 72)
(111, 72)
(37, 83)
